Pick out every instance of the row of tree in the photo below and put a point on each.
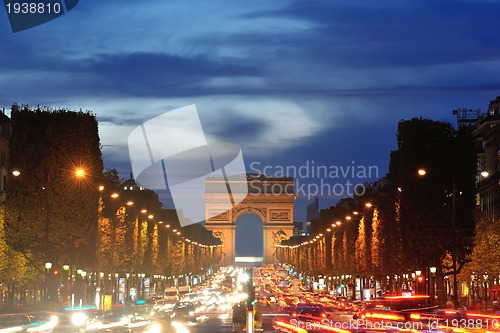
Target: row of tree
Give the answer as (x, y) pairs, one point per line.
(55, 213)
(421, 213)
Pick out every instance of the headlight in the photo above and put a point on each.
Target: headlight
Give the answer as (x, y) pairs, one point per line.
(155, 328)
(79, 319)
(179, 327)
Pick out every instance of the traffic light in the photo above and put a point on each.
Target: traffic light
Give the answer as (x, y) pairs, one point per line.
(420, 278)
(55, 272)
(251, 295)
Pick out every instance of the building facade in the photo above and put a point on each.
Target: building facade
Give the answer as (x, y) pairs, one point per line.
(5, 129)
(487, 138)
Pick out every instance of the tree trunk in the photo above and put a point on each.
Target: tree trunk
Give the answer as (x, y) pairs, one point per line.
(440, 288)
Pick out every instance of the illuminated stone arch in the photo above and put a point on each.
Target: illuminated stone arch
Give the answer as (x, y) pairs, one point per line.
(269, 198)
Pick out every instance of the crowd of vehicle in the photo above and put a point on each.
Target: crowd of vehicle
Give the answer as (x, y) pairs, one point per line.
(306, 311)
(289, 307)
(156, 314)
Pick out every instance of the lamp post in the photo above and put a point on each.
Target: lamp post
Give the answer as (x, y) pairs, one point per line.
(43, 185)
(422, 172)
(68, 288)
(485, 290)
(432, 290)
(473, 290)
(48, 266)
(418, 274)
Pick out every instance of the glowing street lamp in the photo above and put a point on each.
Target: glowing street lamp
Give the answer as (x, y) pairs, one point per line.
(80, 173)
(422, 172)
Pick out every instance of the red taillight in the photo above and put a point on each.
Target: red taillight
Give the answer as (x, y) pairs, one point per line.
(415, 316)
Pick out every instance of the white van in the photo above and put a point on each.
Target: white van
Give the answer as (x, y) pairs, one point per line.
(183, 290)
(171, 294)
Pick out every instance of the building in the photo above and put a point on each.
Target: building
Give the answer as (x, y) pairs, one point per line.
(298, 229)
(487, 138)
(312, 214)
(5, 130)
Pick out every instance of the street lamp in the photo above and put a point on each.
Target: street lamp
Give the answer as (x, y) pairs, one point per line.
(66, 268)
(48, 266)
(80, 173)
(418, 274)
(431, 284)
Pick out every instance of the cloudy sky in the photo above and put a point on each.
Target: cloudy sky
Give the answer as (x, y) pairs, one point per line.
(293, 83)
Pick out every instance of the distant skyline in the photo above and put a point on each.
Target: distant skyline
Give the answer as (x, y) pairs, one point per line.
(291, 82)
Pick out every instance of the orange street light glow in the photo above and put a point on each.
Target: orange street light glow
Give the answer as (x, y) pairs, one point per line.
(80, 172)
(421, 172)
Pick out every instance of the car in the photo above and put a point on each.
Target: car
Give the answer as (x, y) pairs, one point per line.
(396, 309)
(330, 310)
(167, 326)
(344, 305)
(33, 322)
(117, 322)
(309, 312)
(184, 311)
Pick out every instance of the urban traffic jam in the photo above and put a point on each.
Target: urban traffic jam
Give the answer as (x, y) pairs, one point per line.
(259, 299)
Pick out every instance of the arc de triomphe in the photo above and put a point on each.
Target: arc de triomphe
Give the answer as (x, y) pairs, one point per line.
(270, 198)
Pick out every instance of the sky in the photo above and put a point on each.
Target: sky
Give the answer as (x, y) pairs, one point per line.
(293, 83)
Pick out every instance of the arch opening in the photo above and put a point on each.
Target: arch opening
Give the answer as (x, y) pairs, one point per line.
(249, 237)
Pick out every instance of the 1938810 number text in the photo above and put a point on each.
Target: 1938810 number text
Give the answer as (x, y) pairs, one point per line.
(33, 8)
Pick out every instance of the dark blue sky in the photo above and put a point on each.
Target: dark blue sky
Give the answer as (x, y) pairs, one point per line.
(291, 82)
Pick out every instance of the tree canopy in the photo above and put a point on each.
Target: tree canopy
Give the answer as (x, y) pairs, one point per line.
(51, 210)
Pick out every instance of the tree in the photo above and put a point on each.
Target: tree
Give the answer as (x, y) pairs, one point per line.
(436, 210)
(51, 212)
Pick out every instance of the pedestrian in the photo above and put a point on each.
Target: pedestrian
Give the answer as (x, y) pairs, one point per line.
(235, 316)
(449, 304)
(241, 316)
